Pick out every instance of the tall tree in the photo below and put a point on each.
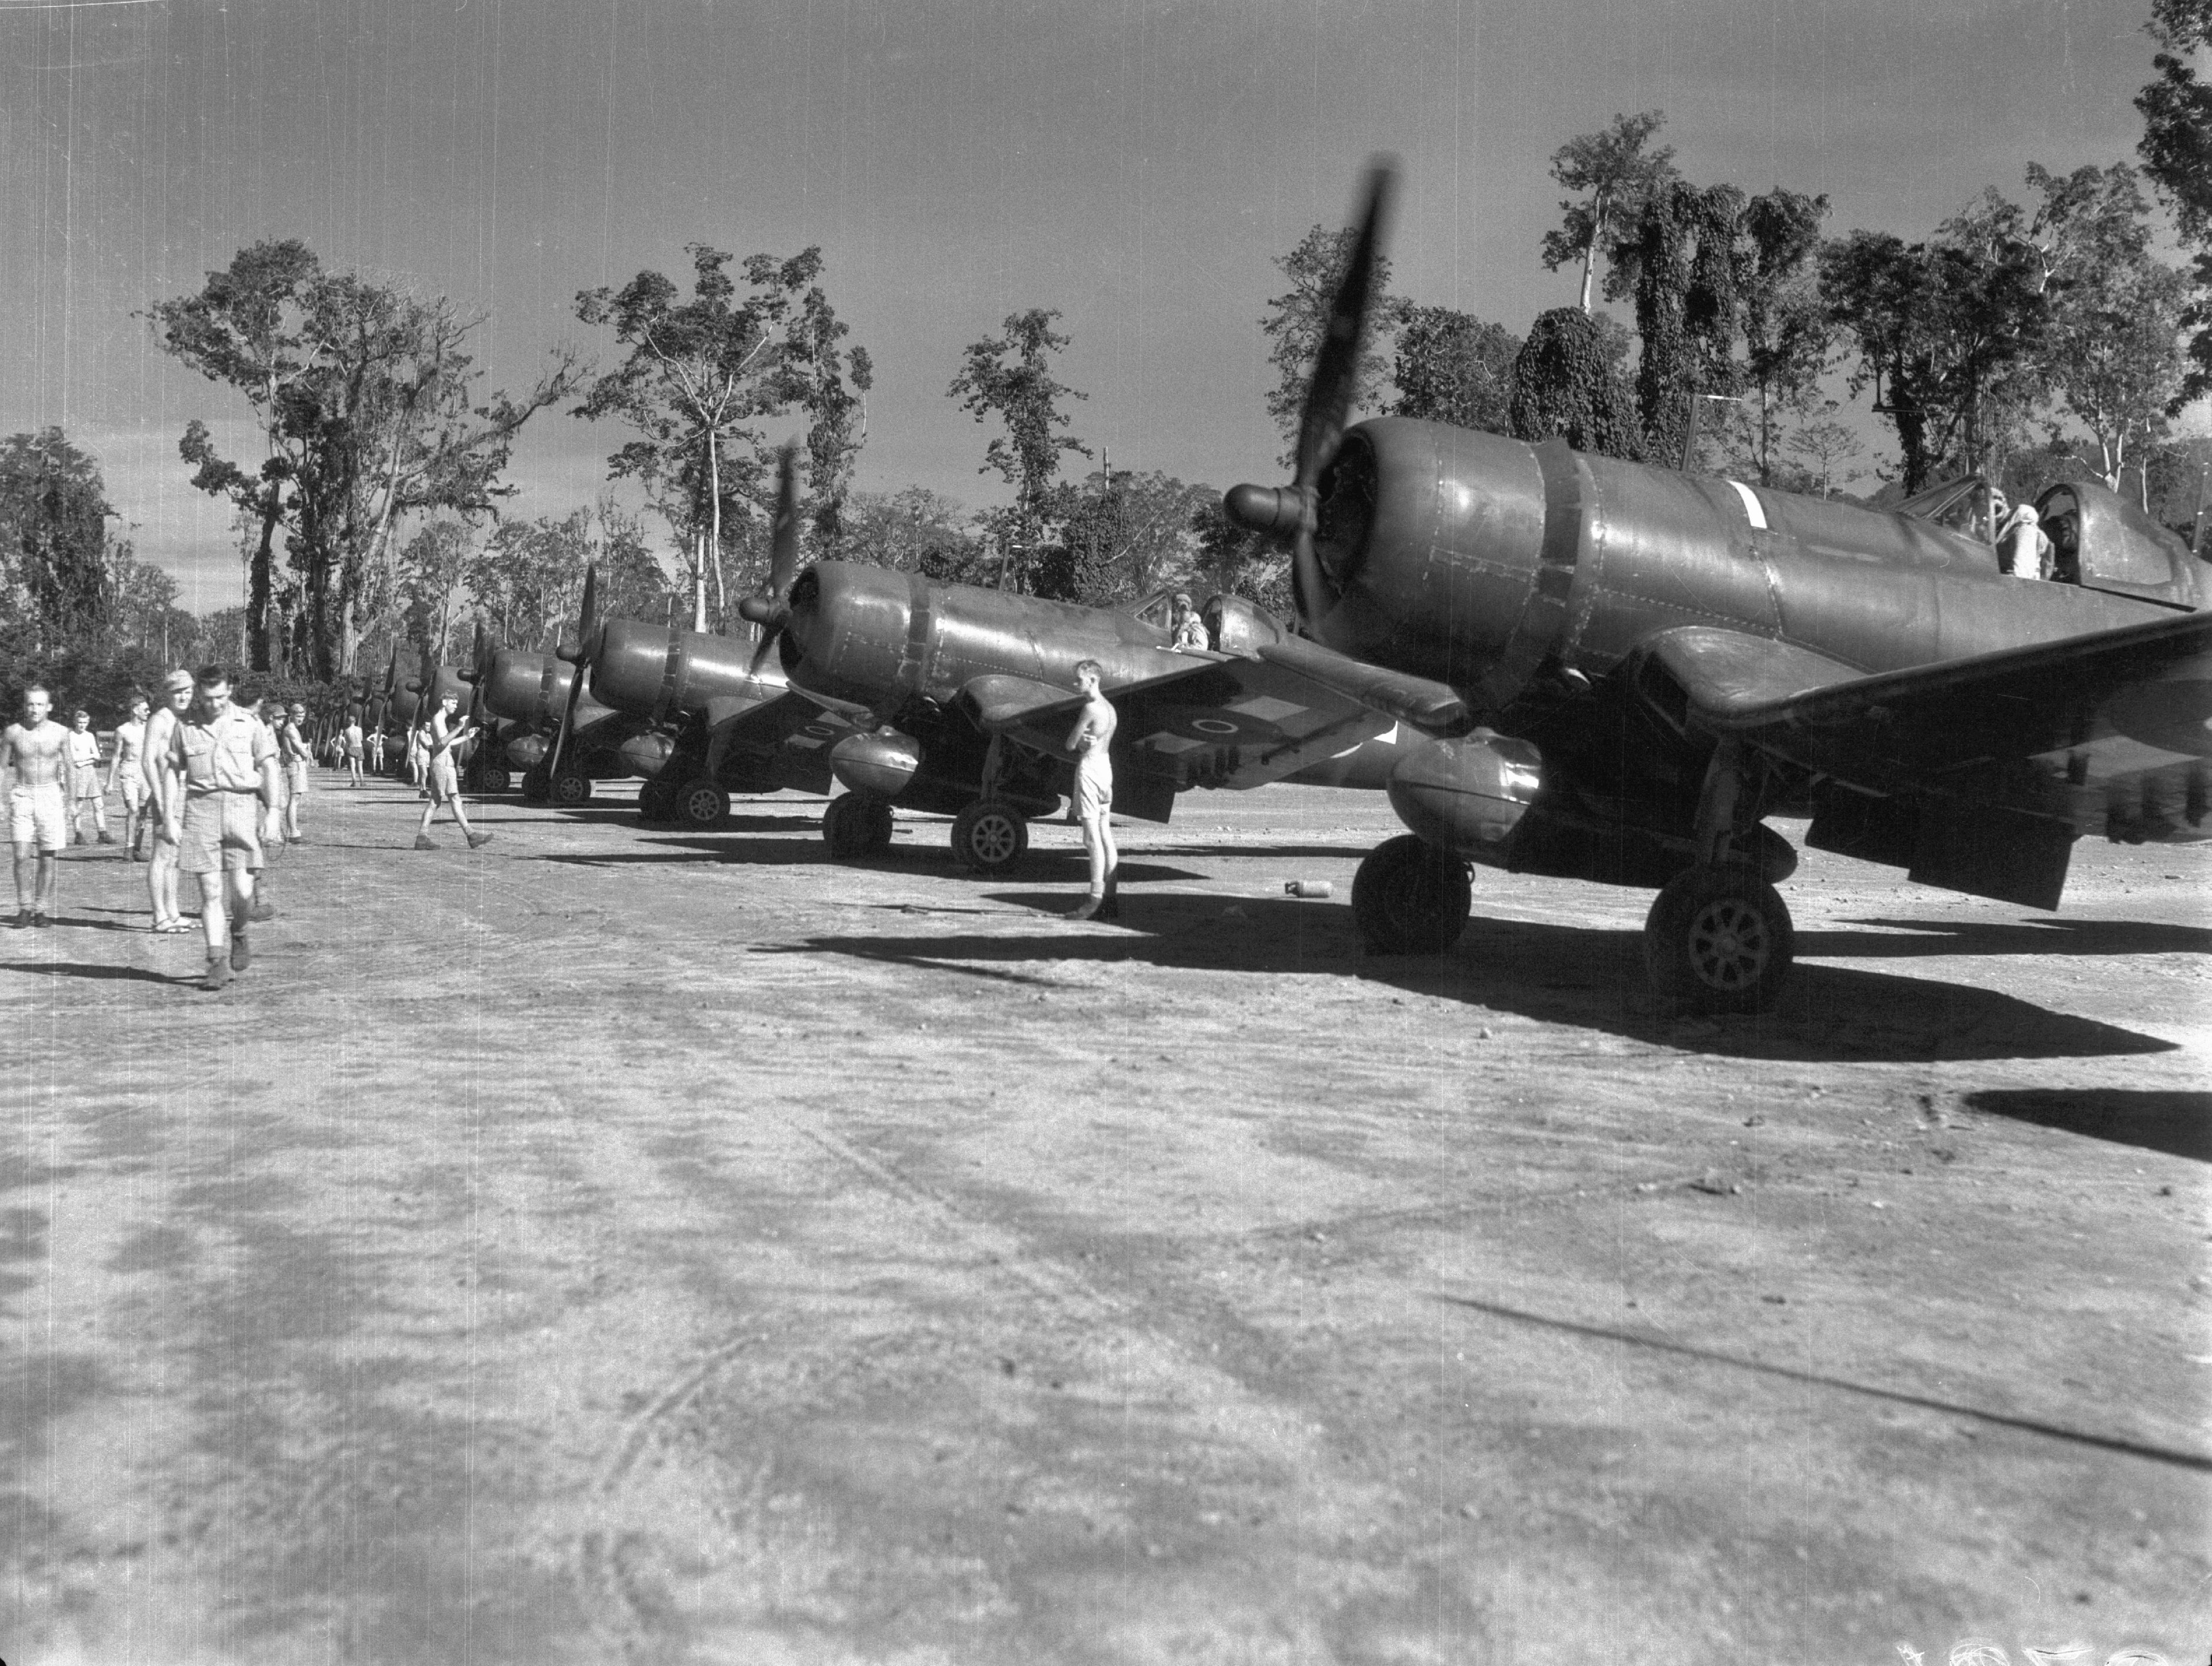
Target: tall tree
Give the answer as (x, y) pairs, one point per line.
(434, 582)
(370, 410)
(54, 540)
(1786, 332)
(1612, 173)
(1009, 376)
(2116, 361)
(700, 373)
(1453, 367)
(2177, 153)
(896, 529)
(1686, 306)
(1297, 323)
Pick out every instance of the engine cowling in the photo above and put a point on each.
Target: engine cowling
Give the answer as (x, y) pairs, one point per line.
(650, 670)
(1468, 795)
(881, 763)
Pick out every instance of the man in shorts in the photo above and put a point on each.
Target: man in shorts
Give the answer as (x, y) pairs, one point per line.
(226, 759)
(36, 753)
(298, 757)
(128, 770)
(161, 786)
(1090, 740)
(440, 736)
(376, 750)
(87, 792)
(352, 743)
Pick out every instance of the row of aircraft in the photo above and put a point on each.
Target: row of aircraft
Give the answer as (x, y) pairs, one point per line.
(1553, 663)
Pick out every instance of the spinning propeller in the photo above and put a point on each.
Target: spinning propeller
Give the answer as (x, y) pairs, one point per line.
(771, 610)
(1294, 511)
(580, 657)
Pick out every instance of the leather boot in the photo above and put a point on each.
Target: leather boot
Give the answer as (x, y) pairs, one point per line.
(1109, 907)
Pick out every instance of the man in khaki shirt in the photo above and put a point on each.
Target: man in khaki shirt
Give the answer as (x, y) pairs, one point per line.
(227, 761)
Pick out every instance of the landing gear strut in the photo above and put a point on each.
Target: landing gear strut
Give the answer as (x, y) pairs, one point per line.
(1718, 939)
(1411, 897)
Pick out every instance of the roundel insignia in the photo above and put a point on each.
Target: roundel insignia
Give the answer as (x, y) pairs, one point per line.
(1213, 725)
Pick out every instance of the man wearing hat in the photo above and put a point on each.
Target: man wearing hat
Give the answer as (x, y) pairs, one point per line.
(1189, 630)
(226, 761)
(160, 789)
(2023, 548)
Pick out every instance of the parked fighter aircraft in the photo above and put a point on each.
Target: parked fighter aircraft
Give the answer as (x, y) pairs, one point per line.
(962, 699)
(1628, 667)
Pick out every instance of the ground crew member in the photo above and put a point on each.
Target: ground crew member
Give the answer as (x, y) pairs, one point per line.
(128, 767)
(161, 786)
(1090, 740)
(351, 741)
(292, 750)
(35, 751)
(442, 782)
(87, 793)
(227, 760)
(1189, 628)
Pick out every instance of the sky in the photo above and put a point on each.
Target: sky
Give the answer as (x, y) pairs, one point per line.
(1137, 165)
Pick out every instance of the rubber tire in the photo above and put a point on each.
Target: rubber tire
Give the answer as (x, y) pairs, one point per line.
(700, 805)
(845, 828)
(990, 837)
(1411, 897)
(652, 802)
(1718, 941)
(569, 788)
(536, 789)
(494, 780)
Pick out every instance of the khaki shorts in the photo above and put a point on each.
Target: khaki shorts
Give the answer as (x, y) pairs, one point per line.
(223, 834)
(1093, 798)
(444, 783)
(134, 790)
(36, 816)
(295, 777)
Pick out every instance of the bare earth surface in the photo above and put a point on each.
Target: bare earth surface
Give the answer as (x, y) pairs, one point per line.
(622, 1245)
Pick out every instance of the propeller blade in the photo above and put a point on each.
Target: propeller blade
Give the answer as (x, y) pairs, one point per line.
(587, 617)
(772, 612)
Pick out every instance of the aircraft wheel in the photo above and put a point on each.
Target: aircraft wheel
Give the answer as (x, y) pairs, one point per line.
(536, 788)
(494, 779)
(1718, 941)
(700, 804)
(989, 836)
(571, 786)
(845, 827)
(1411, 897)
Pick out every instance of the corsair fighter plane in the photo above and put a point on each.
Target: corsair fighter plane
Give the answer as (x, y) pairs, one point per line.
(1625, 668)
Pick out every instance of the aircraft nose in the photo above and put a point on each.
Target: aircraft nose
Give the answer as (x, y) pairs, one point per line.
(846, 636)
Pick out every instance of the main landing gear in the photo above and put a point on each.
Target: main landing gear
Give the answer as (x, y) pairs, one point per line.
(856, 825)
(1719, 940)
(699, 805)
(1411, 897)
(989, 836)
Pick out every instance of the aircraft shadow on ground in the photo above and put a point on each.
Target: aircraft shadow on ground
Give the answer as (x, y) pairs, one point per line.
(2176, 1122)
(1906, 938)
(103, 974)
(1565, 974)
(1066, 867)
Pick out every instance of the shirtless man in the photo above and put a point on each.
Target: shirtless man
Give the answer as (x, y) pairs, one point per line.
(35, 752)
(297, 757)
(161, 787)
(441, 736)
(1090, 740)
(87, 793)
(376, 750)
(128, 768)
(351, 741)
(226, 759)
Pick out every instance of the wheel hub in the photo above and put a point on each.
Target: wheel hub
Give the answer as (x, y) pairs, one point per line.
(1729, 944)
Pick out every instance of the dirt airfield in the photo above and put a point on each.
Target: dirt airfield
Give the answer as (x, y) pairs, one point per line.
(632, 1244)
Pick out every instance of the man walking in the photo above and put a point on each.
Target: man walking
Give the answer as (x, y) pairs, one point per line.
(128, 767)
(1090, 741)
(35, 751)
(444, 783)
(87, 793)
(161, 787)
(227, 760)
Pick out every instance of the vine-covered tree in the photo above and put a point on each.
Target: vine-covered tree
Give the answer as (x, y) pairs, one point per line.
(1686, 306)
(1786, 332)
(1568, 383)
(1009, 376)
(55, 571)
(700, 373)
(1453, 367)
(897, 529)
(2177, 153)
(1297, 323)
(1612, 173)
